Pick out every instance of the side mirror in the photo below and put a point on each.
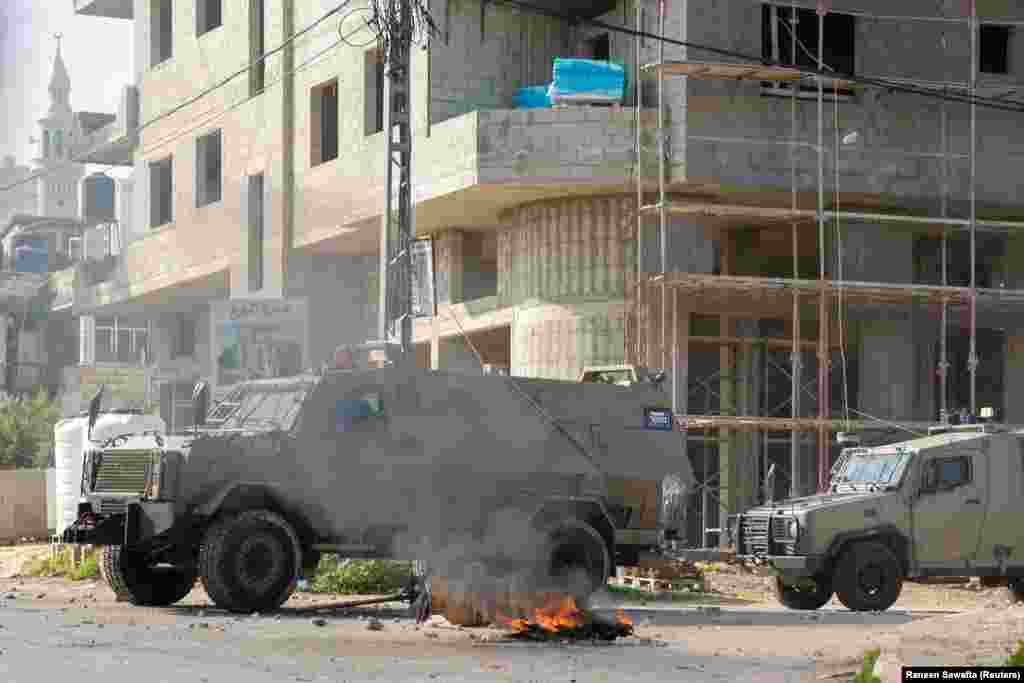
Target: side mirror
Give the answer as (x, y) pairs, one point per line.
(200, 403)
(94, 408)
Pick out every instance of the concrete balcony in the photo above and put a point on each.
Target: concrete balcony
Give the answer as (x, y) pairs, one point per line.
(111, 139)
(111, 9)
(472, 168)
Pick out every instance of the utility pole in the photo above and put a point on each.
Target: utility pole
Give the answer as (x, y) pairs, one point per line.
(396, 26)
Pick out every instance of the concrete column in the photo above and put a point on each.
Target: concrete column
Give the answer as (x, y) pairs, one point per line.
(565, 263)
(449, 269)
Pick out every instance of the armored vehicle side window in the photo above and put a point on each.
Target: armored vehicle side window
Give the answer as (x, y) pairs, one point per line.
(356, 409)
(944, 474)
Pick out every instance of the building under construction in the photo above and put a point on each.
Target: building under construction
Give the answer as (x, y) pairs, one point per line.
(806, 213)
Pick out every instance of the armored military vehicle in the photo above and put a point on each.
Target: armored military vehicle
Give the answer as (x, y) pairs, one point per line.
(945, 504)
(391, 462)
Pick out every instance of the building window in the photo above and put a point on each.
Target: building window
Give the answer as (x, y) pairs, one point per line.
(374, 69)
(208, 16)
(161, 34)
(257, 43)
(75, 249)
(994, 49)
(256, 199)
(600, 48)
(46, 144)
(208, 168)
(161, 192)
(324, 122)
(121, 341)
(58, 144)
(777, 43)
(183, 337)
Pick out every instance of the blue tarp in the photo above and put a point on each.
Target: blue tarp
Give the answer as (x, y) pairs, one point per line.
(587, 80)
(533, 97)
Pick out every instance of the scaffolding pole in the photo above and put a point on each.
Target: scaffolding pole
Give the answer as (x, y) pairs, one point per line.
(639, 312)
(797, 358)
(823, 320)
(973, 359)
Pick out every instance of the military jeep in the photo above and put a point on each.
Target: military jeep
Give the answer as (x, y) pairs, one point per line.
(944, 505)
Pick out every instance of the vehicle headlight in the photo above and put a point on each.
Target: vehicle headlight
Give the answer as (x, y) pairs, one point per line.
(793, 529)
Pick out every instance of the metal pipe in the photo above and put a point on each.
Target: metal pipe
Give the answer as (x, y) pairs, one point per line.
(662, 151)
(943, 351)
(823, 401)
(973, 359)
(924, 220)
(796, 359)
(638, 323)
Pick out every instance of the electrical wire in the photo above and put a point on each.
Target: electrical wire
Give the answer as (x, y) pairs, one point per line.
(163, 142)
(291, 39)
(244, 70)
(892, 86)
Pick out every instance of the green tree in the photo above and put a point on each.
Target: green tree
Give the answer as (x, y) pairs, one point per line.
(26, 431)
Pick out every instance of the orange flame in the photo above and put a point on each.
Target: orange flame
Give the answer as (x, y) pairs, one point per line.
(558, 616)
(623, 619)
(518, 625)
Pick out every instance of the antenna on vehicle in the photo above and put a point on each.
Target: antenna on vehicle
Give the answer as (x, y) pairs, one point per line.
(769, 485)
(94, 410)
(200, 401)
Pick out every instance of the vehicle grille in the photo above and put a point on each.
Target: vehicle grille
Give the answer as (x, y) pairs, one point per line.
(112, 506)
(754, 532)
(123, 472)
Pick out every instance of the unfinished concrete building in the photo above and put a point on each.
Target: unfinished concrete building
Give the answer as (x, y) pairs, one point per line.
(775, 211)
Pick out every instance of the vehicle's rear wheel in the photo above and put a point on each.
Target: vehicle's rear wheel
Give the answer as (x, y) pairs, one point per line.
(132, 579)
(575, 560)
(868, 578)
(815, 594)
(250, 562)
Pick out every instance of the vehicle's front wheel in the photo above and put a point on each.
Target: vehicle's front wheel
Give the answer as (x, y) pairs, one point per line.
(868, 578)
(250, 562)
(132, 579)
(814, 594)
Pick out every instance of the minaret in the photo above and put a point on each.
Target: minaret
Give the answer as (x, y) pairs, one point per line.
(58, 186)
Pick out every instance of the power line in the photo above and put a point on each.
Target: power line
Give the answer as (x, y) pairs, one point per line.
(205, 122)
(892, 86)
(245, 69)
(204, 93)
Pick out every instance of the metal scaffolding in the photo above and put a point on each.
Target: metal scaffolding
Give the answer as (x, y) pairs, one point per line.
(656, 297)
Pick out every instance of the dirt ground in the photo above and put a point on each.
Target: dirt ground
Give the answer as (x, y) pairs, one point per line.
(951, 625)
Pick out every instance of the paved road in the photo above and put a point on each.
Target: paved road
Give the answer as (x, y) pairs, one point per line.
(83, 644)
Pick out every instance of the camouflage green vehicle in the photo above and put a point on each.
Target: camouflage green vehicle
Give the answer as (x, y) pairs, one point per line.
(948, 504)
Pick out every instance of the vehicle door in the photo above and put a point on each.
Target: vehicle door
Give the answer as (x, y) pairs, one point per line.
(948, 509)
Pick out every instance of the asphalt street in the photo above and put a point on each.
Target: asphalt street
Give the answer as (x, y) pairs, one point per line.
(47, 643)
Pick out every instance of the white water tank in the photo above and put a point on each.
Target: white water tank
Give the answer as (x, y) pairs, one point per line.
(70, 447)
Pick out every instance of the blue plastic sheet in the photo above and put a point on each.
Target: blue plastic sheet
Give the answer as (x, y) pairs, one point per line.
(587, 80)
(533, 97)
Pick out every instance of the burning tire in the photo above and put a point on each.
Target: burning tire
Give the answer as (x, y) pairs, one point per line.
(803, 597)
(868, 578)
(575, 560)
(249, 562)
(132, 579)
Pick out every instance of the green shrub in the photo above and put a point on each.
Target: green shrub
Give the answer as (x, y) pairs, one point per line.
(1017, 658)
(62, 564)
(360, 577)
(89, 568)
(867, 671)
